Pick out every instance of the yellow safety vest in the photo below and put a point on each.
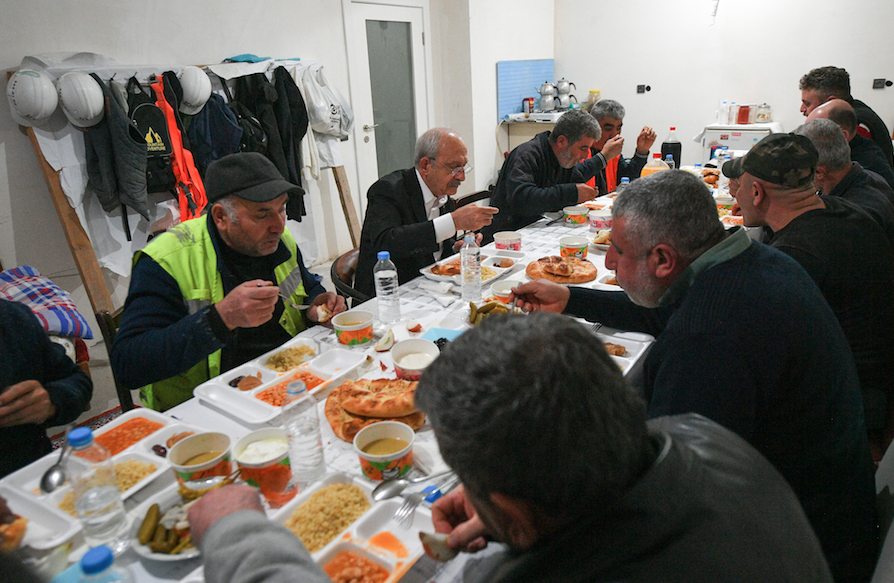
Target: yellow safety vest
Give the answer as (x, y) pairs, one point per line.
(187, 253)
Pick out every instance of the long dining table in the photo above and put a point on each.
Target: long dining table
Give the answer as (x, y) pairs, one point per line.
(438, 312)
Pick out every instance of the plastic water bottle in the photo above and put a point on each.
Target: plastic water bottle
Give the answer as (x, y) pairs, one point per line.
(625, 182)
(670, 161)
(97, 499)
(302, 425)
(98, 566)
(672, 146)
(723, 113)
(470, 269)
(387, 292)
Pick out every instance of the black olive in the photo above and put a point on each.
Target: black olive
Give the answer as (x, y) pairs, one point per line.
(160, 450)
(235, 382)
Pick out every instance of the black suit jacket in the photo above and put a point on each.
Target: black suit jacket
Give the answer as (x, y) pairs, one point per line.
(396, 221)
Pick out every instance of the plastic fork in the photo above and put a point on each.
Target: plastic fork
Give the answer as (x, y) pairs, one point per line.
(596, 327)
(404, 515)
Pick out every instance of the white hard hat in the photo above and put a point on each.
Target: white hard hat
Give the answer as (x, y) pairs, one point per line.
(196, 89)
(81, 98)
(32, 97)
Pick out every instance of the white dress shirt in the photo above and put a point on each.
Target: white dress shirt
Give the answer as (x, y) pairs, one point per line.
(444, 227)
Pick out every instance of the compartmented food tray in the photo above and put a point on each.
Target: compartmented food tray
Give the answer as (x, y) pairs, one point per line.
(374, 536)
(27, 479)
(489, 258)
(263, 403)
(48, 527)
(635, 343)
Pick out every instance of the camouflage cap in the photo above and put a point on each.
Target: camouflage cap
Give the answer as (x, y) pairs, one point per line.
(788, 160)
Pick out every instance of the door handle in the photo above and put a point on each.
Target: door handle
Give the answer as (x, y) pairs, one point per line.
(368, 128)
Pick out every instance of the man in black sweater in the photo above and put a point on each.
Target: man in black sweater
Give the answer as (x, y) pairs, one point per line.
(546, 173)
(863, 150)
(825, 83)
(838, 245)
(744, 337)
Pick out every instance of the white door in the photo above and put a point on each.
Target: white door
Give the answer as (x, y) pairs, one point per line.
(389, 81)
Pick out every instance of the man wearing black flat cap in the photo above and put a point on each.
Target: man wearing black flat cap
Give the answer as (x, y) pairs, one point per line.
(207, 295)
(838, 244)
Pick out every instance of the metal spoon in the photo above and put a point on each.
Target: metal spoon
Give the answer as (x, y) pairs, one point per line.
(294, 306)
(55, 475)
(391, 488)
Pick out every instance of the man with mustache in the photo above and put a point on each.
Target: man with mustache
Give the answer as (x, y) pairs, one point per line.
(207, 295)
(410, 213)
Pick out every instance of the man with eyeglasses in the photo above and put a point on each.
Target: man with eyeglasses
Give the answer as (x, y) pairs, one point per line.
(410, 213)
(745, 338)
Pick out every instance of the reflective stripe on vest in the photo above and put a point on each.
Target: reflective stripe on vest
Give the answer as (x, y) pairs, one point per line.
(187, 253)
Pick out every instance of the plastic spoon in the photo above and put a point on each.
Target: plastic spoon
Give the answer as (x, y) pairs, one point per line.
(391, 488)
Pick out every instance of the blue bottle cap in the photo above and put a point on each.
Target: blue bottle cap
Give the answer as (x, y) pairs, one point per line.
(383, 255)
(80, 436)
(297, 387)
(97, 560)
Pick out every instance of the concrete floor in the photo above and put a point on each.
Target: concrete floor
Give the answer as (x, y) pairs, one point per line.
(105, 397)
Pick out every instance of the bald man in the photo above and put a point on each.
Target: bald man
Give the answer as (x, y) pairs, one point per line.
(863, 150)
(825, 83)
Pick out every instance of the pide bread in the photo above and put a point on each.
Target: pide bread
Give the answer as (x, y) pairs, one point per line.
(346, 424)
(12, 528)
(379, 398)
(562, 269)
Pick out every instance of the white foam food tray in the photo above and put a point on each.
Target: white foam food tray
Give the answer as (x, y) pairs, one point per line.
(27, 479)
(48, 527)
(490, 258)
(637, 346)
(331, 366)
(361, 536)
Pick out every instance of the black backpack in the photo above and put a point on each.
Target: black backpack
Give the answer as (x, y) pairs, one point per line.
(150, 121)
(254, 138)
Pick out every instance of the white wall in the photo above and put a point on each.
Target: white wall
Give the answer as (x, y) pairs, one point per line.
(501, 30)
(162, 32)
(754, 51)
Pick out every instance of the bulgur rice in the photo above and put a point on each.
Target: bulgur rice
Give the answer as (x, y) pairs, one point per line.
(289, 358)
(326, 513)
(127, 474)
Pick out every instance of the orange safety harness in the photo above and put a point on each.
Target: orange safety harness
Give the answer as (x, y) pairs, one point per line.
(190, 189)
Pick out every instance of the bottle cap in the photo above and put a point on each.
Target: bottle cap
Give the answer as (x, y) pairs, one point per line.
(383, 255)
(625, 180)
(656, 155)
(469, 236)
(80, 436)
(673, 128)
(670, 157)
(297, 387)
(97, 560)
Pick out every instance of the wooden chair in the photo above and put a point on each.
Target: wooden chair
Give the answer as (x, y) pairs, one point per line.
(108, 325)
(342, 274)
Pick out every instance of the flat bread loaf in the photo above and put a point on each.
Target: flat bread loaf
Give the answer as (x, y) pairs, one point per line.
(562, 269)
(379, 398)
(346, 424)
